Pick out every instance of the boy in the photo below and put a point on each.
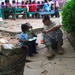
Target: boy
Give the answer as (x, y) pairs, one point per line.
(52, 36)
(31, 33)
(31, 30)
(25, 41)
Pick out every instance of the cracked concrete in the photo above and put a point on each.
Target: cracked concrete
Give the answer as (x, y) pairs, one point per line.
(59, 65)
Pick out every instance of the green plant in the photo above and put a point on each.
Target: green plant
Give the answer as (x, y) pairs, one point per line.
(68, 16)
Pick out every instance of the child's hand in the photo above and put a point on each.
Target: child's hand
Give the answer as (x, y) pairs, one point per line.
(26, 40)
(23, 40)
(30, 27)
(44, 32)
(32, 32)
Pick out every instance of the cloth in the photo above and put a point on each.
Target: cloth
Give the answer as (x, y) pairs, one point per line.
(32, 7)
(46, 7)
(23, 6)
(23, 37)
(13, 5)
(50, 3)
(53, 36)
(57, 4)
(31, 44)
(31, 34)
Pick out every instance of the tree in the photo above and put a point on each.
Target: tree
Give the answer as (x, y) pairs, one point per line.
(68, 17)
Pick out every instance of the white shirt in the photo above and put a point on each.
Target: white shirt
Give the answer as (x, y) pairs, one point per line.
(50, 3)
(52, 33)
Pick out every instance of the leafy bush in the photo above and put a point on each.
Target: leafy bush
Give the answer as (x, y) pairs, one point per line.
(68, 17)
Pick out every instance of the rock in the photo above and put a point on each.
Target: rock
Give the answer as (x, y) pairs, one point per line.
(54, 62)
(12, 60)
(60, 59)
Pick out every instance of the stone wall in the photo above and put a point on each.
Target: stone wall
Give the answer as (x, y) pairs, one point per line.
(12, 61)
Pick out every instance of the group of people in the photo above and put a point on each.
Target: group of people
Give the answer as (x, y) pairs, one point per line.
(46, 5)
(52, 36)
(8, 4)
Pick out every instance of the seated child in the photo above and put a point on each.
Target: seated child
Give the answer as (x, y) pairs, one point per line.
(24, 40)
(31, 32)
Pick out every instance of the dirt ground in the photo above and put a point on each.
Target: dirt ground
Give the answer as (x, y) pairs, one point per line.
(12, 38)
(8, 39)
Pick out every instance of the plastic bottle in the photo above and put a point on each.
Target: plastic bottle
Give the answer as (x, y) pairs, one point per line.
(42, 40)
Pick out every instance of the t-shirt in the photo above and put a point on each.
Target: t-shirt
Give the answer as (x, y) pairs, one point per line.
(22, 6)
(57, 4)
(13, 5)
(32, 8)
(50, 3)
(46, 7)
(23, 36)
(52, 33)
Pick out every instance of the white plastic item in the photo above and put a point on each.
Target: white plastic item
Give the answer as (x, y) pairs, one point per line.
(1, 22)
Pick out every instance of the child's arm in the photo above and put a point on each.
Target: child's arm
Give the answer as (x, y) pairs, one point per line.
(52, 29)
(23, 40)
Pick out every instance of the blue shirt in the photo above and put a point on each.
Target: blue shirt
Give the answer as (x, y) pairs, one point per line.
(23, 37)
(46, 7)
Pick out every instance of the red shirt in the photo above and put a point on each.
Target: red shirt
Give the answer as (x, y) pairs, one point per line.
(22, 6)
(8, 4)
(32, 8)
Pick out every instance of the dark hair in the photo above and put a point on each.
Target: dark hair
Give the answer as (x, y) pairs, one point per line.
(27, 2)
(46, 17)
(6, 1)
(50, 0)
(13, 2)
(33, 2)
(2, 3)
(22, 2)
(42, 2)
(24, 27)
(45, 0)
(38, 2)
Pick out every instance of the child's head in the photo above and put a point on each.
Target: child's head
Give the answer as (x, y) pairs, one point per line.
(29, 25)
(46, 20)
(24, 28)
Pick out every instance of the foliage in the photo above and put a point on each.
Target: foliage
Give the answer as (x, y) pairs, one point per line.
(68, 16)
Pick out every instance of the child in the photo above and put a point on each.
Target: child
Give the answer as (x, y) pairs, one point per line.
(57, 9)
(31, 32)
(24, 40)
(52, 36)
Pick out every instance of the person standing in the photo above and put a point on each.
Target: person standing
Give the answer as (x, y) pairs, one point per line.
(57, 9)
(50, 2)
(46, 6)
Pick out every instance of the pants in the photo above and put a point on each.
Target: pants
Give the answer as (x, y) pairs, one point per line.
(54, 41)
(31, 46)
(57, 13)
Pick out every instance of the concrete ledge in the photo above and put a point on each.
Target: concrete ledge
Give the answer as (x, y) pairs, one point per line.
(37, 30)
